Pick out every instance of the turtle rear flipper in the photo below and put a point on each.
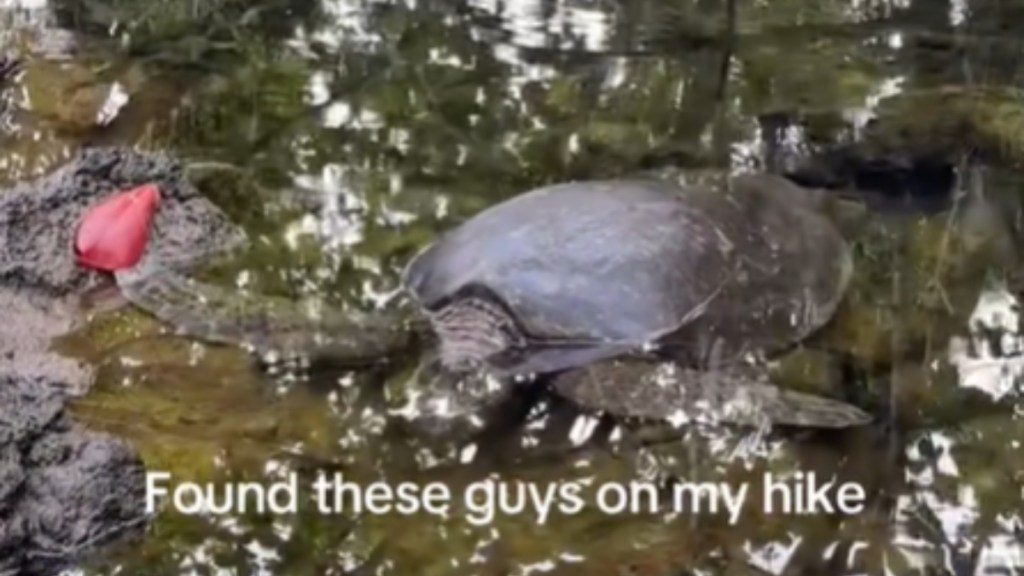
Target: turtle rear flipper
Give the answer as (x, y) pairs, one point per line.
(667, 391)
(790, 408)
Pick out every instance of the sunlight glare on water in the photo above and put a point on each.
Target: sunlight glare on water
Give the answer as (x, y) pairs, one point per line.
(533, 23)
(773, 557)
(23, 4)
(997, 372)
(350, 134)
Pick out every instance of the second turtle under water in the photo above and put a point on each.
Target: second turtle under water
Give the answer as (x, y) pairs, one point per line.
(638, 297)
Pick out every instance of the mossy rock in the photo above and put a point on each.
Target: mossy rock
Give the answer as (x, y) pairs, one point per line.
(949, 121)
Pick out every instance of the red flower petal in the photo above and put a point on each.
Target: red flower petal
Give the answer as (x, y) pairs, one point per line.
(112, 235)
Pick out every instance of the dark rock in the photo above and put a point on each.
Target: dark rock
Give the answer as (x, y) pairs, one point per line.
(867, 168)
(38, 218)
(64, 491)
(887, 182)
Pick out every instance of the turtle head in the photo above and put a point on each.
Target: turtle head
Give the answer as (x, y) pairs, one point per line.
(472, 328)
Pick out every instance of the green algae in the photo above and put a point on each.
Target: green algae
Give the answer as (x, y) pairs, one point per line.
(921, 279)
(951, 120)
(185, 408)
(420, 129)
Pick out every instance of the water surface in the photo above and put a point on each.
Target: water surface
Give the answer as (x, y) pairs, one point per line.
(345, 135)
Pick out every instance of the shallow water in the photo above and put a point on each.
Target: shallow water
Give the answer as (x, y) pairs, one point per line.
(345, 135)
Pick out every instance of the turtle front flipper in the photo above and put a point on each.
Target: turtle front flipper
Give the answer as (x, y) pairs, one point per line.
(667, 391)
(266, 325)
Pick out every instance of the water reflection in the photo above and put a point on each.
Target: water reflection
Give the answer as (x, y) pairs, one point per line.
(367, 128)
(990, 359)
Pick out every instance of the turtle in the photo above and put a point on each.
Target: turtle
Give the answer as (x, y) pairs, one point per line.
(582, 285)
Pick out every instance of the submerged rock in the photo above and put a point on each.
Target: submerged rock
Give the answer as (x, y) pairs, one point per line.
(905, 156)
(885, 181)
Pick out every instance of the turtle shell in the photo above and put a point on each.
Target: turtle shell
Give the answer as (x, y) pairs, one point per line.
(704, 271)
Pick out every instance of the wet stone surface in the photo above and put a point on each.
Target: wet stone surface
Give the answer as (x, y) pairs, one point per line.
(65, 490)
(39, 279)
(39, 218)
